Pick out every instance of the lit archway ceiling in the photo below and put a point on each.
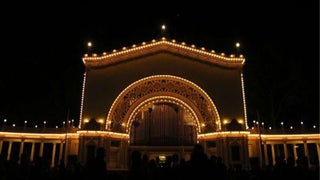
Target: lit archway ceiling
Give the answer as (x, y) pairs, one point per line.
(163, 85)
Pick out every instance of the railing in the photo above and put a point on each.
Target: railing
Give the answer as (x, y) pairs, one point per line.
(285, 131)
(39, 130)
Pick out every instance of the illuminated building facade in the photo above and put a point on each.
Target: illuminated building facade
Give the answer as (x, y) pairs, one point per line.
(161, 98)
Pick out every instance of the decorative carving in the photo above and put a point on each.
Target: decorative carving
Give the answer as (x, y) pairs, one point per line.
(157, 85)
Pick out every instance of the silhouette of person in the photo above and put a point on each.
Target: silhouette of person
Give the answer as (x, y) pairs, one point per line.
(97, 167)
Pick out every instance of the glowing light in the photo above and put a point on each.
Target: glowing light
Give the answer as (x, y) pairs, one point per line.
(301, 122)
(225, 121)
(5, 120)
(314, 126)
(192, 51)
(187, 82)
(89, 44)
(291, 127)
(13, 125)
(101, 121)
(237, 44)
(270, 127)
(163, 27)
(244, 102)
(25, 122)
(39, 136)
(86, 120)
(82, 99)
(223, 133)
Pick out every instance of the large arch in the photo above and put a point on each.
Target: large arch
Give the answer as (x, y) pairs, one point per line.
(182, 90)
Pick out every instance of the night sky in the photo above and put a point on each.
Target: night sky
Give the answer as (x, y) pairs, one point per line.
(42, 46)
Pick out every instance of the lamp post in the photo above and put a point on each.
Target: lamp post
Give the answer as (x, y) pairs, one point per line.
(25, 123)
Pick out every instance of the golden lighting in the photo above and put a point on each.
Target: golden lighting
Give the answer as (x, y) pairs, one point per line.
(101, 121)
(36, 135)
(89, 44)
(301, 137)
(237, 44)
(244, 102)
(240, 121)
(209, 56)
(189, 83)
(163, 27)
(82, 99)
(223, 133)
(225, 121)
(86, 120)
(103, 133)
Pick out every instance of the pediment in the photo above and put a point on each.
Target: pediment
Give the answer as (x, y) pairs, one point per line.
(159, 46)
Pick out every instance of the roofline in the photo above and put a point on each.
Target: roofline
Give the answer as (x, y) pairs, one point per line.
(163, 45)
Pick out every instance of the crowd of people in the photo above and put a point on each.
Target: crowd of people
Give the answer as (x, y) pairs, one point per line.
(200, 166)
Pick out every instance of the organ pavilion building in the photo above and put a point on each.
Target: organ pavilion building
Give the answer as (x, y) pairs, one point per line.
(162, 97)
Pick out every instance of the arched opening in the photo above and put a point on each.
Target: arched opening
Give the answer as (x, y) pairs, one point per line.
(119, 120)
(163, 124)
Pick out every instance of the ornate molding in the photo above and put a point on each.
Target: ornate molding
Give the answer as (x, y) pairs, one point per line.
(165, 84)
(163, 45)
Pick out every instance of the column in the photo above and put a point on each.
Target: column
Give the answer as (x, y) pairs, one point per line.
(53, 154)
(294, 154)
(318, 150)
(266, 158)
(32, 151)
(9, 150)
(21, 149)
(285, 149)
(273, 154)
(66, 150)
(306, 152)
(61, 151)
(1, 142)
(41, 149)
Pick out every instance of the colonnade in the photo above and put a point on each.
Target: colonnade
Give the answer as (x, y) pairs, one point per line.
(8, 151)
(285, 146)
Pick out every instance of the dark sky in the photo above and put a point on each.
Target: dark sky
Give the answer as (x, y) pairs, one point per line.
(42, 46)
